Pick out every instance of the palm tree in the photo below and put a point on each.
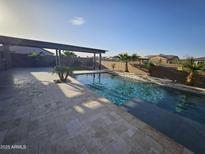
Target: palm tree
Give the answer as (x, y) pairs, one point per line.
(113, 66)
(63, 72)
(69, 54)
(190, 66)
(125, 58)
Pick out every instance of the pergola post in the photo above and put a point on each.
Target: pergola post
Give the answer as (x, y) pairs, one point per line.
(56, 57)
(100, 57)
(59, 57)
(94, 61)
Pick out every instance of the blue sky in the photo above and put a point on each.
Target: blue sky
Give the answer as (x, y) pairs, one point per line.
(141, 26)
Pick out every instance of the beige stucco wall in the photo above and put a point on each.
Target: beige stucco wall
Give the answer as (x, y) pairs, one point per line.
(163, 60)
(157, 59)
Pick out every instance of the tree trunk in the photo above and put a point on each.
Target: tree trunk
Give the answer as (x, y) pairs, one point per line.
(66, 76)
(61, 76)
(126, 66)
(189, 78)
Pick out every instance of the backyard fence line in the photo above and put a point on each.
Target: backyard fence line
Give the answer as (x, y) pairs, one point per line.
(23, 60)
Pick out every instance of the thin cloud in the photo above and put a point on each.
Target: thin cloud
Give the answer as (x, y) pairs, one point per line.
(77, 21)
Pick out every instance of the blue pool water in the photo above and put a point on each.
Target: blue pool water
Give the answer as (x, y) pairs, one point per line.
(121, 90)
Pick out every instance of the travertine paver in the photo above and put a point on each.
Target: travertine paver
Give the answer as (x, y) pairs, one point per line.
(69, 118)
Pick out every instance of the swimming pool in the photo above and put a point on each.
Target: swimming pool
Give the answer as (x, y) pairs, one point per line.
(121, 90)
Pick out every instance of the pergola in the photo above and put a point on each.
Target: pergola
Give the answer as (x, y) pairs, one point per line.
(5, 40)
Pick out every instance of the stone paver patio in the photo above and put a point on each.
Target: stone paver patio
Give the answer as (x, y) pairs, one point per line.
(69, 118)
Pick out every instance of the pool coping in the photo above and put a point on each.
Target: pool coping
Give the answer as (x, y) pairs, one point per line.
(91, 71)
(171, 84)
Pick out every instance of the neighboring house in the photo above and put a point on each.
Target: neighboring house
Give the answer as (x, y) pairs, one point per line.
(105, 58)
(161, 58)
(115, 58)
(143, 59)
(200, 60)
(29, 50)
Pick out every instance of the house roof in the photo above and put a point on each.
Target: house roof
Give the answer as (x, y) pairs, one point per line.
(165, 56)
(115, 57)
(29, 50)
(200, 58)
(48, 45)
(143, 58)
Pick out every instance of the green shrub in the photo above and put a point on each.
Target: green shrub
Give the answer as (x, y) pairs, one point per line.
(149, 65)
